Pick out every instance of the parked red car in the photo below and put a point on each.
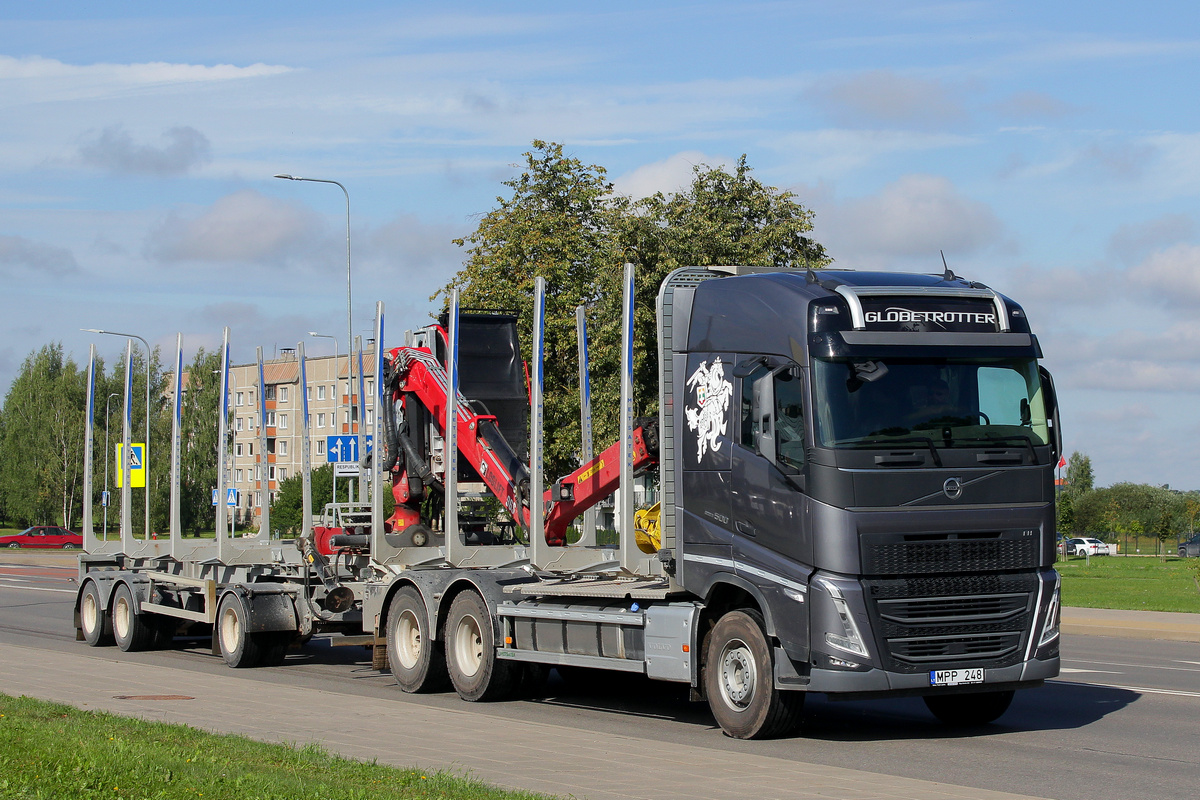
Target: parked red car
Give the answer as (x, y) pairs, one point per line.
(44, 536)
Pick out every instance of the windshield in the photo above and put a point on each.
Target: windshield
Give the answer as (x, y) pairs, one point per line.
(949, 402)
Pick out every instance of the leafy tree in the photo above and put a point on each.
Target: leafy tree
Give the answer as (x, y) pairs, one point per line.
(42, 440)
(1080, 478)
(288, 509)
(564, 223)
(198, 441)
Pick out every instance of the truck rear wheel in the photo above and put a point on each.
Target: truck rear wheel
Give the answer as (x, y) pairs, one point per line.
(132, 630)
(475, 671)
(238, 648)
(969, 710)
(418, 663)
(93, 620)
(739, 679)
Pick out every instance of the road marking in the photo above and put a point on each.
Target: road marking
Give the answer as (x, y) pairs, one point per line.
(1197, 663)
(1141, 689)
(36, 589)
(1142, 666)
(1106, 671)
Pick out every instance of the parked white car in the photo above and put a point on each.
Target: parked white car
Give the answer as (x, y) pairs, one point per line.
(1086, 546)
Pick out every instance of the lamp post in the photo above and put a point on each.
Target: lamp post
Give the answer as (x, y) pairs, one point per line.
(335, 403)
(146, 454)
(106, 402)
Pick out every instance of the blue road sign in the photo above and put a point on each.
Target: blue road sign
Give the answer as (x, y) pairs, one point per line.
(104, 499)
(343, 448)
(230, 497)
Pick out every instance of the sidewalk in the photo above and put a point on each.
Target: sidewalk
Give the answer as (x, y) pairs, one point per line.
(1172, 625)
(551, 759)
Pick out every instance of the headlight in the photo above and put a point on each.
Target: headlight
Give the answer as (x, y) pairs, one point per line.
(850, 640)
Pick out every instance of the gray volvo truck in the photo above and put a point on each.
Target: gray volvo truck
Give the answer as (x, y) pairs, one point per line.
(855, 474)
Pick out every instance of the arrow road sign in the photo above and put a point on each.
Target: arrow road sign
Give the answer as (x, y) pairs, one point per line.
(343, 448)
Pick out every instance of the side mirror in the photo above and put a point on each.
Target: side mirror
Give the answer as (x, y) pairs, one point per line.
(763, 409)
(1051, 413)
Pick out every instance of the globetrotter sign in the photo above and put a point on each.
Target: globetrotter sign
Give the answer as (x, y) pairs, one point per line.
(937, 317)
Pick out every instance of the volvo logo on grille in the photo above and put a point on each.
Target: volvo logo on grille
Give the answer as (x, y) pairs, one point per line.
(952, 488)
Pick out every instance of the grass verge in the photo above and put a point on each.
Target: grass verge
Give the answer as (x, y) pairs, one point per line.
(1131, 583)
(54, 751)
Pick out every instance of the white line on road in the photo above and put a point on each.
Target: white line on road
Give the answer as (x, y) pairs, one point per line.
(1106, 671)
(5, 585)
(1142, 689)
(1138, 666)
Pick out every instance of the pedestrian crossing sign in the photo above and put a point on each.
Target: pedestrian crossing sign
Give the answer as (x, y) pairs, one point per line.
(137, 465)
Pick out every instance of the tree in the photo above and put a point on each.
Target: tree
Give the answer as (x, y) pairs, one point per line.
(42, 442)
(1080, 478)
(198, 441)
(564, 223)
(288, 509)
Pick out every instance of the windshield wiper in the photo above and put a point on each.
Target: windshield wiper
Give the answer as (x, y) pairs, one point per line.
(1020, 437)
(925, 440)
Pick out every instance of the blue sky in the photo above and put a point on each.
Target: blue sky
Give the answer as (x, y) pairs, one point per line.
(1051, 150)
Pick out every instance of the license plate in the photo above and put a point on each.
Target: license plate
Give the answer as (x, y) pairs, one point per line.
(955, 677)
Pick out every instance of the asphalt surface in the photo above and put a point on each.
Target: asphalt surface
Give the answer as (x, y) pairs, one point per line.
(1117, 725)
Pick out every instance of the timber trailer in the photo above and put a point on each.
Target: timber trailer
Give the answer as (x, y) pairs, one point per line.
(855, 482)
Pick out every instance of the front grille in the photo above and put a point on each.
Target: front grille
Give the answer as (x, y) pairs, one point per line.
(913, 555)
(970, 620)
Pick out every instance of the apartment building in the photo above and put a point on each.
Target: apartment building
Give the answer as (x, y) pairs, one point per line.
(333, 407)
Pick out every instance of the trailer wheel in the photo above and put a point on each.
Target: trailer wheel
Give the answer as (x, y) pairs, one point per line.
(739, 680)
(417, 662)
(93, 620)
(471, 652)
(239, 649)
(131, 629)
(969, 710)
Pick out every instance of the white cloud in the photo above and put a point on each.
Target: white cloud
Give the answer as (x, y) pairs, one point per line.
(918, 215)
(1172, 276)
(832, 152)
(21, 255)
(36, 68)
(887, 98)
(113, 149)
(245, 227)
(672, 174)
(1134, 241)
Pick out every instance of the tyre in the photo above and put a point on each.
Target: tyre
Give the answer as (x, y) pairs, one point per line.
(739, 679)
(238, 648)
(969, 710)
(471, 652)
(14, 545)
(70, 546)
(93, 619)
(272, 647)
(417, 662)
(131, 630)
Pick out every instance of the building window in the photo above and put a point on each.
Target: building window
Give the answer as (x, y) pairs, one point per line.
(283, 473)
(283, 420)
(320, 420)
(257, 498)
(332, 392)
(239, 398)
(308, 393)
(258, 472)
(320, 447)
(320, 392)
(281, 447)
(270, 392)
(238, 449)
(370, 417)
(237, 476)
(370, 387)
(239, 423)
(283, 394)
(271, 472)
(270, 419)
(252, 448)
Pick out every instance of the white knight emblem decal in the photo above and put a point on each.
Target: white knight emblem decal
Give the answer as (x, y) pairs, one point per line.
(709, 417)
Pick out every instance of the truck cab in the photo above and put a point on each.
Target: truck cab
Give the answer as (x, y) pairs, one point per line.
(869, 456)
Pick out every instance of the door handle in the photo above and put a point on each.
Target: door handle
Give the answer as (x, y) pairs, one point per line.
(744, 528)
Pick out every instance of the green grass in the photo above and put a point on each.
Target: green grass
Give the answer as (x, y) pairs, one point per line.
(1132, 583)
(55, 751)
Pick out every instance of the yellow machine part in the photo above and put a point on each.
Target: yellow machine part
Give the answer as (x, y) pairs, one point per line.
(646, 531)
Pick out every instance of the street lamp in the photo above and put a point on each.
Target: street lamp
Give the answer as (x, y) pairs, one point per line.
(106, 402)
(145, 455)
(335, 403)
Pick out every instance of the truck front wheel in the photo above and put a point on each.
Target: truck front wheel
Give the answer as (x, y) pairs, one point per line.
(418, 663)
(739, 679)
(475, 671)
(969, 710)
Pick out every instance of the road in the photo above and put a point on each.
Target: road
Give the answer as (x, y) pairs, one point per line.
(1119, 723)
